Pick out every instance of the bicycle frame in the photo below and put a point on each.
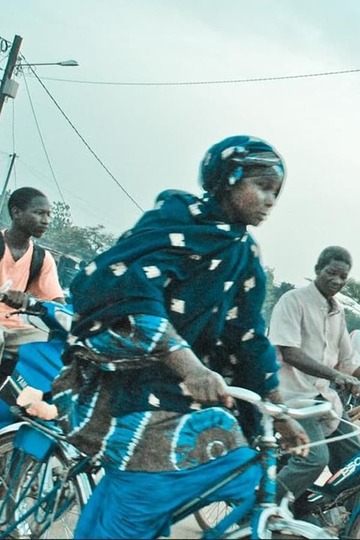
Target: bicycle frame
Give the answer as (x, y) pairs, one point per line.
(255, 514)
(259, 510)
(51, 489)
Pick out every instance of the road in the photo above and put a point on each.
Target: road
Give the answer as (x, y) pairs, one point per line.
(188, 528)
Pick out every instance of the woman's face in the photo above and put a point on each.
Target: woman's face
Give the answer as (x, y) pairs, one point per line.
(251, 200)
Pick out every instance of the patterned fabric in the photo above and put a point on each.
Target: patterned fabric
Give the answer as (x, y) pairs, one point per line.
(183, 262)
(94, 405)
(138, 335)
(182, 276)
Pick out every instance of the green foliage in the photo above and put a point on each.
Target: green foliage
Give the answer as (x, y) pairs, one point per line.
(352, 289)
(352, 320)
(82, 242)
(5, 220)
(273, 293)
(60, 217)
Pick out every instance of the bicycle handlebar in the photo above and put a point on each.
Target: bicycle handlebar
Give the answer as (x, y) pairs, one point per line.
(278, 410)
(47, 426)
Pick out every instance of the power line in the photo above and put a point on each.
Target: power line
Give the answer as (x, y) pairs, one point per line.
(13, 140)
(211, 82)
(82, 138)
(43, 142)
(44, 179)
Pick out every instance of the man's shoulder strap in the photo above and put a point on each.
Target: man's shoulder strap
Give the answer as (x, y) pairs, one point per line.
(36, 263)
(36, 260)
(2, 245)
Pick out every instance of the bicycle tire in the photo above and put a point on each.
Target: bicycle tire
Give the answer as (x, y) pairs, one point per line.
(6, 449)
(32, 484)
(208, 516)
(354, 531)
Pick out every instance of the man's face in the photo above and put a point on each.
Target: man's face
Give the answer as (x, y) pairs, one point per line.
(35, 218)
(251, 200)
(331, 278)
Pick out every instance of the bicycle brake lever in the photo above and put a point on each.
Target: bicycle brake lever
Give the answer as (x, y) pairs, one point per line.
(19, 411)
(16, 312)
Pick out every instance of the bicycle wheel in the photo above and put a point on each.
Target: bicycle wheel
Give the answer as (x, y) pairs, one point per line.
(6, 449)
(208, 516)
(38, 502)
(354, 531)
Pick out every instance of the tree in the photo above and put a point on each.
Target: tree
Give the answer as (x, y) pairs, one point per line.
(352, 289)
(352, 320)
(82, 242)
(273, 293)
(60, 217)
(5, 220)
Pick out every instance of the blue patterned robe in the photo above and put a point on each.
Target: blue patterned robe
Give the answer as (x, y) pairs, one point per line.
(184, 263)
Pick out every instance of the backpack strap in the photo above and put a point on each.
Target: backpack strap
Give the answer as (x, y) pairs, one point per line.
(2, 245)
(36, 260)
(36, 264)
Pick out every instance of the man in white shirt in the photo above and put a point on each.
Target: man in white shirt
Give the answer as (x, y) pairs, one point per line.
(308, 326)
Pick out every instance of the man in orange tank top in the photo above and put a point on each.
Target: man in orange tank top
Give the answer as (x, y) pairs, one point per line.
(29, 211)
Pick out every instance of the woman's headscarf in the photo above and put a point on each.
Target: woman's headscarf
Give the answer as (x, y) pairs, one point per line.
(228, 161)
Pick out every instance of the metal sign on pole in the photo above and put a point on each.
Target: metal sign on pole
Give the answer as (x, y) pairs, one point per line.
(8, 87)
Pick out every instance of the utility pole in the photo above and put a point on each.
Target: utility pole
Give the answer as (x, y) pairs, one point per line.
(3, 194)
(8, 87)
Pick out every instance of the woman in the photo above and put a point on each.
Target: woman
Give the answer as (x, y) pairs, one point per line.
(164, 319)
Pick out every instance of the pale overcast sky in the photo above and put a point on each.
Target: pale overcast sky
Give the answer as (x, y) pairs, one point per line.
(153, 137)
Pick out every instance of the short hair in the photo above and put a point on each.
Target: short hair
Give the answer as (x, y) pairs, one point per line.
(21, 198)
(333, 252)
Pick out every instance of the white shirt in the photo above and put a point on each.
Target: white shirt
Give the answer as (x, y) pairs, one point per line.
(302, 319)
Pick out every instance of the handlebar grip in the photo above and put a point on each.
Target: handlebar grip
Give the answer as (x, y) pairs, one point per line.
(319, 409)
(277, 410)
(244, 394)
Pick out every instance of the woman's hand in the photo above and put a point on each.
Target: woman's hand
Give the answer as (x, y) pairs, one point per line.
(206, 386)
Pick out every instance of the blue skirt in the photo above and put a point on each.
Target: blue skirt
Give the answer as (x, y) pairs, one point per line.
(127, 505)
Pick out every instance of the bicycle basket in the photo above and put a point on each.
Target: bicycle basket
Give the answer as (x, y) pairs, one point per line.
(34, 442)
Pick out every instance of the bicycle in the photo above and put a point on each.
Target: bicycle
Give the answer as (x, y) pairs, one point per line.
(325, 502)
(46, 481)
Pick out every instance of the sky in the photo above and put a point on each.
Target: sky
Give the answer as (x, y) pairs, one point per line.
(153, 137)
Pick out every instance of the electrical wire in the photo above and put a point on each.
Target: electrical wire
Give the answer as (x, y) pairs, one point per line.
(211, 82)
(44, 179)
(82, 138)
(13, 141)
(43, 144)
